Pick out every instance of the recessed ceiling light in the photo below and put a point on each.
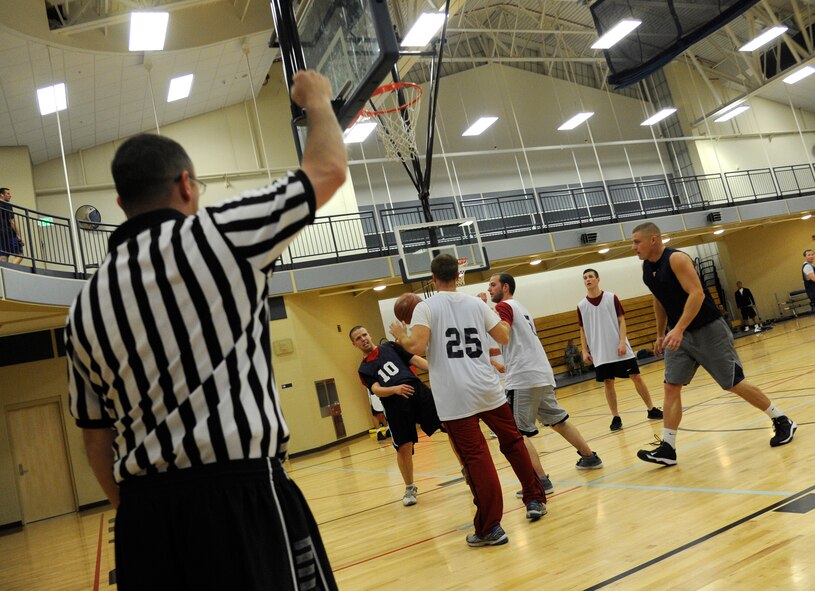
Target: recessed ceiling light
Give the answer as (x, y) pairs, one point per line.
(603, 250)
(719, 231)
(535, 262)
(616, 33)
(426, 27)
(657, 117)
(732, 113)
(379, 287)
(480, 126)
(148, 30)
(179, 88)
(799, 75)
(806, 217)
(575, 121)
(666, 240)
(52, 99)
(763, 39)
(359, 132)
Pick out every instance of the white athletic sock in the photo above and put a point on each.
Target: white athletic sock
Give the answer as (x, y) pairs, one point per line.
(773, 412)
(669, 437)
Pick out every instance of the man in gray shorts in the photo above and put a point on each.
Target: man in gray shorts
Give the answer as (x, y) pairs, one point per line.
(697, 336)
(530, 382)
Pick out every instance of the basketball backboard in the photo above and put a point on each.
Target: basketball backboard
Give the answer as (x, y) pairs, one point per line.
(418, 244)
(350, 42)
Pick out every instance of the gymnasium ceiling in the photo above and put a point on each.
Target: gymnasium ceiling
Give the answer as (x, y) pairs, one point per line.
(224, 43)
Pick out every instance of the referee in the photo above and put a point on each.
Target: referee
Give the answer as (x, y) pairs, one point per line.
(170, 374)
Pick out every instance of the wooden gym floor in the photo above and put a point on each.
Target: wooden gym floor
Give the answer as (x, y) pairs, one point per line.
(733, 514)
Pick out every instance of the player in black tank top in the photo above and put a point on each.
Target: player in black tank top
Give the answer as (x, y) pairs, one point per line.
(663, 283)
(691, 333)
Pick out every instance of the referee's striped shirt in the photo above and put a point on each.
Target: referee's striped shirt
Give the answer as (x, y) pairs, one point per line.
(168, 343)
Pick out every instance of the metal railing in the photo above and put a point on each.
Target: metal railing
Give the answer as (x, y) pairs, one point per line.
(49, 240)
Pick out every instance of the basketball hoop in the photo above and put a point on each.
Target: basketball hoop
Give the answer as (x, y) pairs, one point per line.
(462, 262)
(397, 129)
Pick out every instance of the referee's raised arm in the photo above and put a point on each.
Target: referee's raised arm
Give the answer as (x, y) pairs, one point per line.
(324, 158)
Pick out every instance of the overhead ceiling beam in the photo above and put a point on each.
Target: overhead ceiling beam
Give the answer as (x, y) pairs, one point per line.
(123, 17)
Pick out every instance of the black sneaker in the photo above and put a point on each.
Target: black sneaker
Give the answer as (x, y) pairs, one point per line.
(663, 454)
(547, 485)
(592, 462)
(784, 428)
(535, 510)
(616, 423)
(655, 413)
(496, 537)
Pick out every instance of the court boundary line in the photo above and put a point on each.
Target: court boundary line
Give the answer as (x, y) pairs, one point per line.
(99, 553)
(698, 541)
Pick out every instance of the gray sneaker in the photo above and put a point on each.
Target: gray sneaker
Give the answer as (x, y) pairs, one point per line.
(535, 510)
(591, 462)
(410, 495)
(548, 487)
(496, 537)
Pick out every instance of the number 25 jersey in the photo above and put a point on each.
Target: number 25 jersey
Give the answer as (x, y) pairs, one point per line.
(464, 383)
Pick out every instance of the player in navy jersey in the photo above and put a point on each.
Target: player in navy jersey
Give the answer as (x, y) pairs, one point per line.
(386, 371)
(691, 332)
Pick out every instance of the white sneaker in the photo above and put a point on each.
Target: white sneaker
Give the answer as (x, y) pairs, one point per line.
(746, 328)
(410, 495)
(757, 328)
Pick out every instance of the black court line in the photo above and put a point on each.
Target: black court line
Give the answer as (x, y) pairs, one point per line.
(699, 540)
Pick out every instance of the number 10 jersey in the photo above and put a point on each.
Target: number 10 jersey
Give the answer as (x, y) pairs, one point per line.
(463, 380)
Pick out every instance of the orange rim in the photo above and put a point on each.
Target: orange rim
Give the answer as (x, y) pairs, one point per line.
(393, 86)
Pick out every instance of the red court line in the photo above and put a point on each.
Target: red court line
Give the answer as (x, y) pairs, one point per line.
(425, 540)
(98, 553)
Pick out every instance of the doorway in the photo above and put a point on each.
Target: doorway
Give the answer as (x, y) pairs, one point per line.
(41, 461)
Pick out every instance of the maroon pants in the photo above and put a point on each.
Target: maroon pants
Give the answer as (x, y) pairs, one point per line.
(475, 455)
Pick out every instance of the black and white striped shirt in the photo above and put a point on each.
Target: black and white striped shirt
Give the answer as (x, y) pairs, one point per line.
(168, 343)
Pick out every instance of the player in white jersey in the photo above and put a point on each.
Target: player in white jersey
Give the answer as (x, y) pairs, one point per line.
(453, 327)
(604, 343)
(530, 382)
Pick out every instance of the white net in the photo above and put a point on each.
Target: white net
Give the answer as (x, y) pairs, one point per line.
(397, 120)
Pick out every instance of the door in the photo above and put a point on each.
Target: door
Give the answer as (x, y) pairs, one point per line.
(41, 461)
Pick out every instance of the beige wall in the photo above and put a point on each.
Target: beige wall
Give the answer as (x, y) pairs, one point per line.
(16, 174)
(322, 351)
(768, 260)
(28, 383)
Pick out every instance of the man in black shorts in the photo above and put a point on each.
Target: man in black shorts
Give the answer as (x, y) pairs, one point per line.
(691, 332)
(385, 370)
(11, 241)
(746, 304)
(605, 344)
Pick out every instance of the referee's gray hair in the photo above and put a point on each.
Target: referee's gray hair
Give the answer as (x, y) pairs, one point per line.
(145, 168)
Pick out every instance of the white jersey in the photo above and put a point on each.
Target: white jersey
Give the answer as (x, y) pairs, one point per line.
(526, 361)
(602, 328)
(463, 381)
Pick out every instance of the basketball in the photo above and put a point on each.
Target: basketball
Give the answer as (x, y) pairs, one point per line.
(403, 308)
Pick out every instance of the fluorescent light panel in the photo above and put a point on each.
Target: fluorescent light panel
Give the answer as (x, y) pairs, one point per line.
(480, 126)
(799, 75)
(379, 287)
(620, 30)
(424, 30)
(763, 39)
(359, 132)
(604, 250)
(52, 99)
(179, 88)
(732, 113)
(657, 117)
(806, 217)
(575, 121)
(148, 30)
(666, 240)
(535, 262)
(719, 231)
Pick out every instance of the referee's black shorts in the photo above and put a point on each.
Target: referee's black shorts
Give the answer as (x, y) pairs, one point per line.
(235, 525)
